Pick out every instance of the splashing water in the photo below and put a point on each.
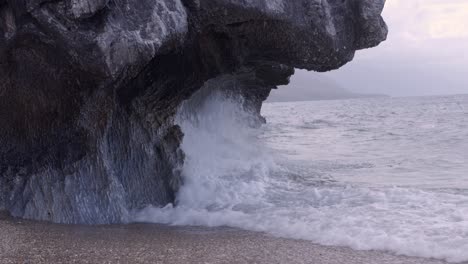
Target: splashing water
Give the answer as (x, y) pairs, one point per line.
(308, 173)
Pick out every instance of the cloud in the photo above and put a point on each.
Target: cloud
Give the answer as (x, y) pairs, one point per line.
(426, 51)
(428, 19)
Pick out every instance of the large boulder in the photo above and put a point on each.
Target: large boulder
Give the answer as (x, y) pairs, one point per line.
(89, 88)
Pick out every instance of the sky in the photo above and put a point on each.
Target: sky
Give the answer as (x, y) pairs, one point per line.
(426, 52)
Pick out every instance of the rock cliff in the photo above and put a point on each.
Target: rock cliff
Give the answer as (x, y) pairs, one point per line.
(89, 88)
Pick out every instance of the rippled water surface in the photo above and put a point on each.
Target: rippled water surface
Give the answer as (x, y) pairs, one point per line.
(385, 174)
(420, 142)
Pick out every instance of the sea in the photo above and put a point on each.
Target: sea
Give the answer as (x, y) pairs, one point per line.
(386, 174)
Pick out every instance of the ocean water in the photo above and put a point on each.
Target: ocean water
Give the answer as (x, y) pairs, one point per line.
(371, 174)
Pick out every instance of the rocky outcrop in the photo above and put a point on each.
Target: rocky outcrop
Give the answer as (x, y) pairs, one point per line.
(89, 88)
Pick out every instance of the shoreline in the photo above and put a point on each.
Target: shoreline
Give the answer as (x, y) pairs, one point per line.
(26, 241)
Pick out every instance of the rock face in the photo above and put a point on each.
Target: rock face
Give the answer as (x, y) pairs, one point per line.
(89, 88)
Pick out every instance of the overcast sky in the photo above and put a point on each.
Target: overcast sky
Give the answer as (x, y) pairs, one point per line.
(426, 52)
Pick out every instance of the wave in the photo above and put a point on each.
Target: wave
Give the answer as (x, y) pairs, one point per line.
(233, 179)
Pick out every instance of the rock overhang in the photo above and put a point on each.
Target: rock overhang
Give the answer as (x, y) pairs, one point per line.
(89, 89)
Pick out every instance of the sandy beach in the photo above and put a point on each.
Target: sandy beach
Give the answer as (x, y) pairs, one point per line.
(23, 241)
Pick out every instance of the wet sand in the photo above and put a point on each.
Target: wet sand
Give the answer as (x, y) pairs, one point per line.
(23, 241)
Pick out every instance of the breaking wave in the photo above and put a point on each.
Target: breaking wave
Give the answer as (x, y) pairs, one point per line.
(232, 177)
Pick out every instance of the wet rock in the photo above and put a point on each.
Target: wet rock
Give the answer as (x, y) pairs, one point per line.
(89, 89)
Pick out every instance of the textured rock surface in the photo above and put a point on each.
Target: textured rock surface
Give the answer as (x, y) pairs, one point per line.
(89, 88)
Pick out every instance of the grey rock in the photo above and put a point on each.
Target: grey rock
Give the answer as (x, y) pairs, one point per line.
(85, 8)
(89, 89)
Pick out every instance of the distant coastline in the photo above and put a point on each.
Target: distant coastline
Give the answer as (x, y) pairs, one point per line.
(314, 87)
(276, 99)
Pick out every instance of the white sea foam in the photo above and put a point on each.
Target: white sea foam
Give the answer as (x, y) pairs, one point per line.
(232, 177)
